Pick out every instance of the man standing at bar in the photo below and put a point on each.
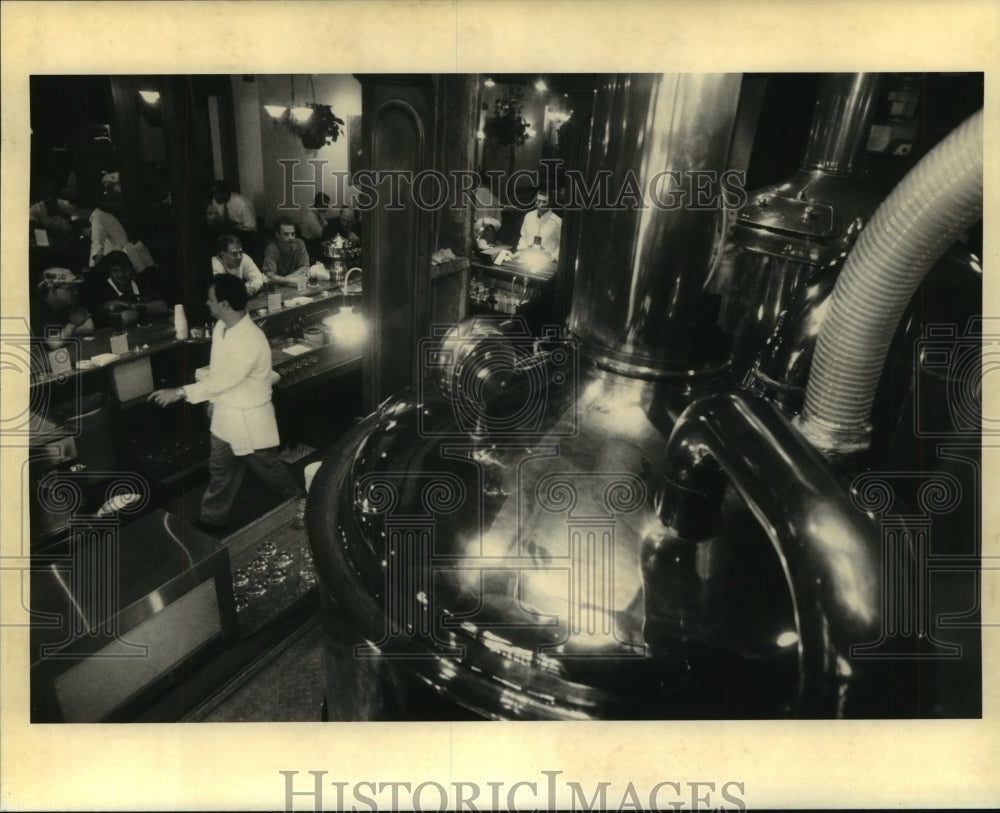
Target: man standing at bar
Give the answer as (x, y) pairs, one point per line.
(238, 385)
(230, 210)
(106, 232)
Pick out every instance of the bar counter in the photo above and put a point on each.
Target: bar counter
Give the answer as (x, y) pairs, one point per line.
(514, 267)
(96, 412)
(92, 353)
(515, 286)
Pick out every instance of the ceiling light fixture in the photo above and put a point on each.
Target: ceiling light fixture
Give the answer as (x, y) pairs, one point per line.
(315, 124)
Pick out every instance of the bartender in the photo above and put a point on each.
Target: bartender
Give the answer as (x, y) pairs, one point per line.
(244, 431)
(538, 244)
(541, 227)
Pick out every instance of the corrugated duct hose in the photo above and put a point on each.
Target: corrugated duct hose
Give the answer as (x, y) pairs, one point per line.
(935, 203)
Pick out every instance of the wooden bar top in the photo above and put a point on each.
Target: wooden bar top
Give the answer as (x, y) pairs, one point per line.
(160, 335)
(514, 267)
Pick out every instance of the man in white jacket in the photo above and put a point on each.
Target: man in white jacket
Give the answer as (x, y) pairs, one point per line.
(238, 385)
(106, 234)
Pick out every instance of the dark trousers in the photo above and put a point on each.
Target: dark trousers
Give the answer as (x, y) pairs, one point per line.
(226, 472)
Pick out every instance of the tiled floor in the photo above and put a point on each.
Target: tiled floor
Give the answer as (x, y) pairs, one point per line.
(287, 685)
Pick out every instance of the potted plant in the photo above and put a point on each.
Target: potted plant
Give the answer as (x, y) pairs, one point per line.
(320, 129)
(506, 127)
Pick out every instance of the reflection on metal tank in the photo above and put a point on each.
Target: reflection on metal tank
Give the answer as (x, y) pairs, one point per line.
(489, 525)
(805, 225)
(593, 523)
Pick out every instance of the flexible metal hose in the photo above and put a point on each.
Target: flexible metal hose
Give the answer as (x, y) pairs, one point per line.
(935, 203)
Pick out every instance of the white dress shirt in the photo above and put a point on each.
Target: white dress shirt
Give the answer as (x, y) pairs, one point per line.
(248, 272)
(106, 235)
(239, 385)
(238, 210)
(548, 227)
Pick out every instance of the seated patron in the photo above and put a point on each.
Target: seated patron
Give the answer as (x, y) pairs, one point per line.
(230, 259)
(347, 225)
(56, 314)
(117, 289)
(314, 224)
(54, 216)
(285, 258)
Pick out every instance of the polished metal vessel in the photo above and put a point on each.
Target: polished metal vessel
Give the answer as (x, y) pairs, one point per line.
(594, 522)
(805, 225)
(639, 302)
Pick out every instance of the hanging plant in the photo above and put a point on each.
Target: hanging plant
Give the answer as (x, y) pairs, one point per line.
(320, 129)
(506, 127)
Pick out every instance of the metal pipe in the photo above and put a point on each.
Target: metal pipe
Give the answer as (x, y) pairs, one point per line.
(830, 551)
(638, 295)
(782, 368)
(935, 203)
(844, 110)
(789, 231)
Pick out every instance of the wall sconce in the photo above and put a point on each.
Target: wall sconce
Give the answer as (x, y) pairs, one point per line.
(150, 96)
(301, 114)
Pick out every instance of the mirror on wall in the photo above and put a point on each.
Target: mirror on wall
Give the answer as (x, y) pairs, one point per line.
(521, 139)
